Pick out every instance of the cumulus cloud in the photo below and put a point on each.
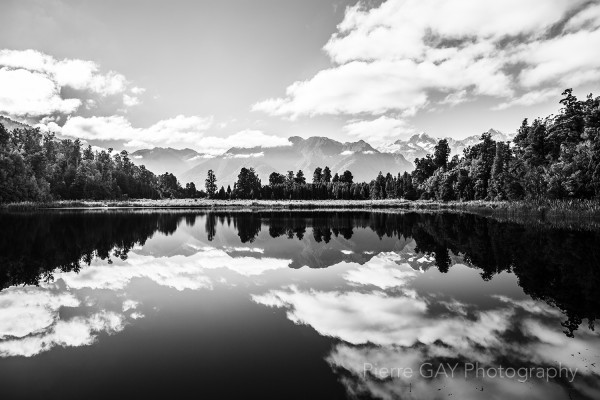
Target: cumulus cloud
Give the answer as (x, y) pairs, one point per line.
(137, 90)
(180, 131)
(529, 98)
(130, 305)
(130, 101)
(75, 73)
(27, 93)
(455, 98)
(31, 83)
(563, 59)
(379, 131)
(396, 56)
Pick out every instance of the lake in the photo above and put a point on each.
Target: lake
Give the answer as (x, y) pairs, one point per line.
(307, 305)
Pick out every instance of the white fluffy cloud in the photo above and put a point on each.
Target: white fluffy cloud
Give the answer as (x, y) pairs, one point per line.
(30, 93)
(379, 131)
(180, 131)
(383, 85)
(567, 60)
(455, 98)
(394, 57)
(130, 101)
(31, 83)
(529, 98)
(77, 74)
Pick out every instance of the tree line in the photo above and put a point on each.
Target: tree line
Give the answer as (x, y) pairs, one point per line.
(36, 166)
(289, 186)
(556, 157)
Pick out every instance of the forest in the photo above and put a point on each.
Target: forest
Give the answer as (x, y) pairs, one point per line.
(557, 157)
(35, 166)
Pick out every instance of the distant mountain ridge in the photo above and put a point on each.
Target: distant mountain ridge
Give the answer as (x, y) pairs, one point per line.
(418, 146)
(10, 124)
(160, 159)
(363, 160)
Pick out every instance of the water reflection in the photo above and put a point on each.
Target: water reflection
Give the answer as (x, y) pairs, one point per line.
(388, 289)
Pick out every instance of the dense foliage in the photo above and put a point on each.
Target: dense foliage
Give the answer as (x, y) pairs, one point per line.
(39, 167)
(557, 157)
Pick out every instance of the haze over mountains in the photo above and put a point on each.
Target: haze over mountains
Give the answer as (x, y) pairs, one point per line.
(360, 158)
(10, 124)
(165, 159)
(418, 146)
(363, 160)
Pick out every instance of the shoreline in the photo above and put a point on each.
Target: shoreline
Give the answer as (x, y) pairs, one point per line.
(544, 210)
(556, 214)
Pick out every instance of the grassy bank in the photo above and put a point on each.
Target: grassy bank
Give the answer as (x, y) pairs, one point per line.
(556, 213)
(546, 208)
(224, 204)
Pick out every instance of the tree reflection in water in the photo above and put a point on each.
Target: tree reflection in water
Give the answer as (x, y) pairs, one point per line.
(558, 266)
(396, 288)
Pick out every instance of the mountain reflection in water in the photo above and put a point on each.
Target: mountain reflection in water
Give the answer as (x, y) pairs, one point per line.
(332, 291)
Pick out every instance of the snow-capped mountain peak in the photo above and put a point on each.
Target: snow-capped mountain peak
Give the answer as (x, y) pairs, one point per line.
(419, 145)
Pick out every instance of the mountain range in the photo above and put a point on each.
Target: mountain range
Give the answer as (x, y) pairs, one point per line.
(418, 146)
(10, 124)
(360, 158)
(165, 159)
(363, 160)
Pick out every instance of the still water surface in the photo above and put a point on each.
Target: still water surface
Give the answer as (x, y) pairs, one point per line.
(307, 305)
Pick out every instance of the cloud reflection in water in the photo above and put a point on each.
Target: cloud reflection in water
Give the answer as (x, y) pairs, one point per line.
(30, 321)
(382, 320)
(385, 288)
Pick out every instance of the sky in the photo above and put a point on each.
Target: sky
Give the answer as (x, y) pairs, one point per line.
(211, 75)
